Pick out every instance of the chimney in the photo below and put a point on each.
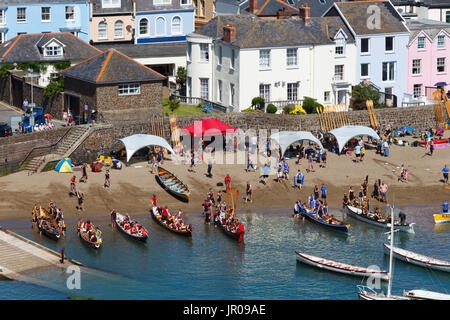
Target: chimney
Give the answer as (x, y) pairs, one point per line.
(229, 32)
(253, 6)
(283, 13)
(305, 13)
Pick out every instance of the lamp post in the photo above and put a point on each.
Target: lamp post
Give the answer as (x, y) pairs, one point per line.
(31, 75)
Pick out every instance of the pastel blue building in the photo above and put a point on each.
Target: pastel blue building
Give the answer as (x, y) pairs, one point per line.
(37, 16)
(163, 20)
(381, 37)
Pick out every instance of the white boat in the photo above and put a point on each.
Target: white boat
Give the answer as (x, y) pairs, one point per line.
(357, 213)
(418, 259)
(340, 266)
(426, 295)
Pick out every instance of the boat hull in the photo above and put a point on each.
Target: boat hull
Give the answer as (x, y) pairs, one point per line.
(136, 237)
(338, 227)
(233, 235)
(89, 243)
(441, 218)
(356, 213)
(169, 181)
(162, 224)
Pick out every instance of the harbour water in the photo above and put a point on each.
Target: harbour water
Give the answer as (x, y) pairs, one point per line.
(213, 266)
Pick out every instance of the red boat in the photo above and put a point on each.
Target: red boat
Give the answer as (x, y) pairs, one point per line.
(437, 141)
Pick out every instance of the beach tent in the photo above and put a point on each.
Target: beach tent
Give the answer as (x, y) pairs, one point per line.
(65, 165)
(346, 133)
(286, 138)
(138, 141)
(209, 127)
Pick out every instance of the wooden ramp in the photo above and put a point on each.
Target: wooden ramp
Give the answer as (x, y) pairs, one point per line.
(19, 255)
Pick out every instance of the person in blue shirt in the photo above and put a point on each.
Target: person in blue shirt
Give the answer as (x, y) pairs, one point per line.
(286, 170)
(298, 180)
(445, 207)
(324, 191)
(311, 201)
(445, 174)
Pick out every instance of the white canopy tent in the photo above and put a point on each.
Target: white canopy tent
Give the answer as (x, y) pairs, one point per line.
(138, 141)
(286, 138)
(346, 133)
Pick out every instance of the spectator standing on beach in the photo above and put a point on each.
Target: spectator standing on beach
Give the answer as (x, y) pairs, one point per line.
(431, 148)
(84, 171)
(445, 173)
(73, 190)
(191, 167)
(80, 197)
(386, 148)
(227, 181)
(310, 163)
(285, 170)
(383, 191)
(249, 163)
(357, 152)
(210, 163)
(107, 179)
(266, 169)
(248, 192)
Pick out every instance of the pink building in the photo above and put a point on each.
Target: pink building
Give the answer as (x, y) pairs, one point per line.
(428, 58)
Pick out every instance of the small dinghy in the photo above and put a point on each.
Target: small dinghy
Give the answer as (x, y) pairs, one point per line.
(425, 295)
(340, 267)
(441, 217)
(90, 235)
(418, 259)
(140, 233)
(173, 184)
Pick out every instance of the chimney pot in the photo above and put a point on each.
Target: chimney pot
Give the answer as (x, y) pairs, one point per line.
(253, 6)
(305, 13)
(229, 32)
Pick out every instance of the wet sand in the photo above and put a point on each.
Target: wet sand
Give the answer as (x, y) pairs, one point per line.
(132, 188)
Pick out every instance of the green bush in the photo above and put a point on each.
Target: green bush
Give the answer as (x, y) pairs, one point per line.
(174, 105)
(53, 88)
(288, 108)
(362, 92)
(311, 106)
(271, 108)
(248, 110)
(258, 103)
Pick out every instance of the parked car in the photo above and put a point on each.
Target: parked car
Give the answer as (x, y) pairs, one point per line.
(5, 130)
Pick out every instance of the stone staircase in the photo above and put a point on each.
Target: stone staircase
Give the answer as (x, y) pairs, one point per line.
(63, 149)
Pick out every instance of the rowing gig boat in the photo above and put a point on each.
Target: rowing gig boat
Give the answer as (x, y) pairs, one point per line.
(440, 218)
(173, 184)
(340, 267)
(141, 237)
(325, 221)
(185, 231)
(357, 214)
(425, 295)
(48, 225)
(84, 236)
(418, 259)
(236, 234)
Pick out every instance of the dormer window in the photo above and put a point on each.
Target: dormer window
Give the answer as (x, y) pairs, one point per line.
(111, 4)
(53, 50)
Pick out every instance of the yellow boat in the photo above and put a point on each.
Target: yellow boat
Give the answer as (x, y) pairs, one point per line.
(440, 218)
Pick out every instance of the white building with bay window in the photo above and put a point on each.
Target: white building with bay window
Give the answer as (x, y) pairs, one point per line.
(233, 59)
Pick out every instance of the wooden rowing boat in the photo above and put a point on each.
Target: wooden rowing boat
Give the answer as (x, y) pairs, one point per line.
(186, 231)
(418, 259)
(172, 184)
(326, 221)
(441, 217)
(141, 237)
(48, 225)
(357, 214)
(340, 267)
(236, 234)
(84, 236)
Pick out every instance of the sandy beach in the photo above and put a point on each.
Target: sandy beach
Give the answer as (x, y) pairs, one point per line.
(132, 187)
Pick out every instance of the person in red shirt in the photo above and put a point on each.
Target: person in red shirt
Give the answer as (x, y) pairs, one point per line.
(154, 200)
(241, 231)
(228, 181)
(165, 214)
(73, 190)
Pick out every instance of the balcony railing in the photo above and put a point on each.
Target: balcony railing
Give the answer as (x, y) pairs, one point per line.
(196, 100)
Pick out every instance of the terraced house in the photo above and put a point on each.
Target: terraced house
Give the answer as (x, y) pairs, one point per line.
(381, 37)
(234, 58)
(44, 16)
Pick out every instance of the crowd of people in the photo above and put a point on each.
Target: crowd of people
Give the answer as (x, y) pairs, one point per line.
(173, 221)
(54, 219)
(130, 226)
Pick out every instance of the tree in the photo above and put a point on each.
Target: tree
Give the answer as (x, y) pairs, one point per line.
(173, 105)
(181, 79)
(362, 92)
(271, 108)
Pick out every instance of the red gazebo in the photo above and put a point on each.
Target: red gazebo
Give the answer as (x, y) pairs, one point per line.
(209, 127)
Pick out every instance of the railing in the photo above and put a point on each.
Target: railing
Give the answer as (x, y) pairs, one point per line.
(338, 78)
(195, 101)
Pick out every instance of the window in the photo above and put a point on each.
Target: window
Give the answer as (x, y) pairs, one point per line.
(447, 17)
(389, 44)
(129, 89)
(110, 3)
(339, 50)
(264, 92)
(204, 52)
(339, 72)
(365, 45)
(70, 13)
(219, 90)
(292, 91)
(416, 66)
(176, 25)
(388, 71)
(220, 55)
(118, 29)
(2, 16)
(202, 8)
(160, 26)
(21, 14)
(232, 59)
(2, 37)
(189, 51)
(291, 57)
(388, 90)
(326, 96)
(231, 94)
(45, 14)
(52, 51)
(417, 90)
(364, 70)
(264, 59)
(189, 86)
(185, 2)
(421, 42)
(440, 64)
(204, 88)
(441, 40)
(102, 30)
(143, 26)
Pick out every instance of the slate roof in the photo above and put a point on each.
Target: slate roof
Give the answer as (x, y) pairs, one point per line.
(28, 48)
(6, 3)
(152, 50)
(111, 67)
(437, 3)
(147, 5)
(254, 32)
(356, 11)
(430, 27)
(126, 7)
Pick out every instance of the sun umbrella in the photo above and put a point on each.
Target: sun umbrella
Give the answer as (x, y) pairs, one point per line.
(440, 84)
(97, 167)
